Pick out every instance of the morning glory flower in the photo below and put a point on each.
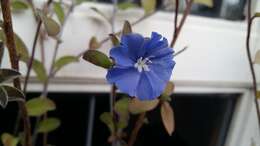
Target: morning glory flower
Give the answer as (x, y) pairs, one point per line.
(143, 66)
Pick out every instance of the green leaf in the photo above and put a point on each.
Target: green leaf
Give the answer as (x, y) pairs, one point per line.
(8, 74)
(48, 125)
(22, 50)
(63, 61)
(18, 5)
(114, 39)
(13, 93)
(39, 106)
(107, 119)
(97, 58)
(167, 92)
(121, 107)
(126, 5)
(257, 14)
(51, 26)
(39, 70)
(127, 28)
(3, 97)
(93, 43)
(59, 11)
(9, 140)
(148, 5)
(137, 106)
(208, 3)
(257, 57)
(258, 94)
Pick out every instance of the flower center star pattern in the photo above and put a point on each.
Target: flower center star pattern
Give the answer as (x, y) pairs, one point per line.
(143, 66)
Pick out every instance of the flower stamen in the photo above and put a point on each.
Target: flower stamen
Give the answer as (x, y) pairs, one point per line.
(142, 64)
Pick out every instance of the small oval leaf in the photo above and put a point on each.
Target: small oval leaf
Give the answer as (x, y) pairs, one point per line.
(257, 57)
(39, 70)
(127, 28)
(59, 11)
(18, 5)
(136, 106)
(257, 14)
(48, 125)
(9, 140)
(39, 106)
(97, 58)
(3, 97)
(63, 61)
(115, 41)
(51, 26)
(93, 43)
(126, 5)
(21, 48)
(208, 3)
(8, 74)
(107, 119)
(167, 117)
(121, 108)
(13, 93)
(148, 5)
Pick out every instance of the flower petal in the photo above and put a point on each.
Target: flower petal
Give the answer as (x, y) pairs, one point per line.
(163, 67)
(157, 46)
(134, 43)
(119, 54)
(126, 79)
(144, 89)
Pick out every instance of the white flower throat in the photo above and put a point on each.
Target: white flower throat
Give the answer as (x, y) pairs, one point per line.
(142, 64)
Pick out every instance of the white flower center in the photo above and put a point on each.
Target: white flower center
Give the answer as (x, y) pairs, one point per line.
(142, 64)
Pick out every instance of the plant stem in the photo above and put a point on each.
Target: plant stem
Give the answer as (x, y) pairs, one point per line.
(139, 123)
(175, 20)
(30, 62)
(178, 30)
(117, 33)
(249, 26)
(8, 29)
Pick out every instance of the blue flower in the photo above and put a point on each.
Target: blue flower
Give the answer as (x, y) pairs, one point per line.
(143, 66)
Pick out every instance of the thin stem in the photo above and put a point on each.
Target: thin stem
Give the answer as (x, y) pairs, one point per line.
(175, 20)
(185, 14)
(117, 33)
(8, 29)
(30, 62)
(180, 51)
(139, 123)
(249, 26)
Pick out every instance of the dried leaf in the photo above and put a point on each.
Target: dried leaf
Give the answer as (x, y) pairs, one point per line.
(136, 106)
(97, 58)
(8, 74)
(167, 117)
(126, 28)
(59, 11)
(63, 61)
(257, 57)
(93, 43)
(9, 140)
(39, 106)
(208, 3)
(148, 5)
(115, 41)
(3, 97)
(48, 125)
(107, 118)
